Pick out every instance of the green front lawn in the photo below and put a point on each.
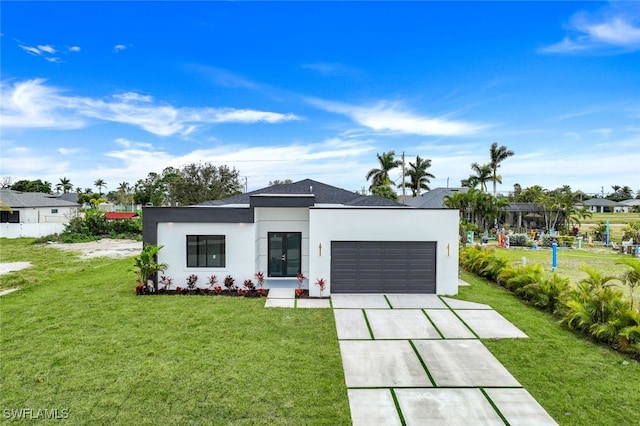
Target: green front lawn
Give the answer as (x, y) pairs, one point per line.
(576, 381)
(76, 337)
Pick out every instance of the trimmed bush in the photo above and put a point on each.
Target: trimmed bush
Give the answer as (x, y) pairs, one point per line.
(519, 240)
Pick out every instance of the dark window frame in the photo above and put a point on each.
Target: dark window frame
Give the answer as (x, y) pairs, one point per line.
(210, 243)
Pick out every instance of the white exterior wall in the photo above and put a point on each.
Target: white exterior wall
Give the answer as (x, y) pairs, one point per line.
(239, 251)
(280, 219)
(31, 230)
(350, 224)
(44, 215)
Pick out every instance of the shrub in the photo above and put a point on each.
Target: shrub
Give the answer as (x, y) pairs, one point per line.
(518, 240)
(228, 283)
(191, 281)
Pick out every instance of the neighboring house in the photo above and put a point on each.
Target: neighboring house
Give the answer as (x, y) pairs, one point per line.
(357, 243)
(600, 205)
(627, 206)
(525, 215)
(433, 199)
(34, 214)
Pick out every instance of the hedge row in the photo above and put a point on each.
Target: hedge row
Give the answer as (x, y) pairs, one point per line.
(593, 307)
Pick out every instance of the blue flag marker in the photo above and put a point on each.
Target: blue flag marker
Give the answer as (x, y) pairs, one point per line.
(554, 256)
(606, 235)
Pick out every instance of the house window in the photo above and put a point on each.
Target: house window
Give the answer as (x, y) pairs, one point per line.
(206, 251)
(9, 217)
(54, 211)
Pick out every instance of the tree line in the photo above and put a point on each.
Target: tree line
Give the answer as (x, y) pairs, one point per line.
(188, 185)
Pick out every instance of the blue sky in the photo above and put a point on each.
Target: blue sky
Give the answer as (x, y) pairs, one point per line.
(293, 90)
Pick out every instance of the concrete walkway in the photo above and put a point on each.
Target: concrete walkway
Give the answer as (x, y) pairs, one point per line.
(417, 359)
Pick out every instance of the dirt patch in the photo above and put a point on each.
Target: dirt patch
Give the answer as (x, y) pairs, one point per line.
(7, 267)
(103, 248)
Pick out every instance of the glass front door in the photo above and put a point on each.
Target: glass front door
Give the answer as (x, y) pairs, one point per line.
(285, 254)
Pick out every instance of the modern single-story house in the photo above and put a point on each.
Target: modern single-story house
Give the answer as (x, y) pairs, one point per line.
(34, 214)
(356, 243)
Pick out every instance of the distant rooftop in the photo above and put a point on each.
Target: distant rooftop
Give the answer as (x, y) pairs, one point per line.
(17, 199)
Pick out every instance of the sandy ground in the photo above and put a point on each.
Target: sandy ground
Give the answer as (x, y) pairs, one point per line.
(5, 268)
(103, 248)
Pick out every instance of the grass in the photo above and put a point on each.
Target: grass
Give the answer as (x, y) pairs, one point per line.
(613, 218)
(75, 337)
(569, 262)
(576, 381)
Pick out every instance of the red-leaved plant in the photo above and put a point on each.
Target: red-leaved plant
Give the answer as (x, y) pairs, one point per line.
(166, 282)
(191, 281)
(218, 289)
(299, 292)
(300, 277)
(228, 283)
(320, 282)
(260, 279)
(213, 280)
(242, 292)
(248, 284)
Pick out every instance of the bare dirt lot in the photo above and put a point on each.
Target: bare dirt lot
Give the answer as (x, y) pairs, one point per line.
(103, 248)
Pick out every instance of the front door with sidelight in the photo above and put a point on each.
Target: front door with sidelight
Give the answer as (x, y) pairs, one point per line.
(285, 254)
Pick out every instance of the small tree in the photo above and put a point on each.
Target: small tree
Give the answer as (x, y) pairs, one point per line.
(146, 265)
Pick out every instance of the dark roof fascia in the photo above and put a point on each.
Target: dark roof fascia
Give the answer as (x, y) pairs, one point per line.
(282, 200)
(151, 216)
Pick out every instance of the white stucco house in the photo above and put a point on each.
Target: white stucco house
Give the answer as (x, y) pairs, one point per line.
(356, 243)
(34, 214)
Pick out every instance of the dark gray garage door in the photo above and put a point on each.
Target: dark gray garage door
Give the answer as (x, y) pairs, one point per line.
(383, 267)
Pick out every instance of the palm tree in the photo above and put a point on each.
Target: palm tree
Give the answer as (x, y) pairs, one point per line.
(380, 177)
(497, 155)
(100, 183)
(418, 176)
(124, 187)
(64, 185)
(482, 176)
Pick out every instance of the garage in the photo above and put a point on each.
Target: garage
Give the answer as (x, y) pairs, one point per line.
(383, 267)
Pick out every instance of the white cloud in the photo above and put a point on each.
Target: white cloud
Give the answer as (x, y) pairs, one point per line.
(119, 47)
(47, 48)
(32, 103)
(611, 29)
(68, 151)
(30, 49)
(54, 60)
(392, 118)
(74, 49)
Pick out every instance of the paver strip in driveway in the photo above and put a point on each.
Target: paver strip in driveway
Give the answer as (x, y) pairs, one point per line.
(489, 324)
(359, 301)
(449, 324)
(519, 407)
(408, 301)
(381, 363)
(441, 406)
(371, 407)
(350, 324)
(400, 324)
(463, 363)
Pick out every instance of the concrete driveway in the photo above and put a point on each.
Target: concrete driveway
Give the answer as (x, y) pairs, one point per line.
(418, 359)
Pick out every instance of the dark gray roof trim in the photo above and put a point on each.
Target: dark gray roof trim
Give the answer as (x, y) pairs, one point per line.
(151, 216)
(324, 194)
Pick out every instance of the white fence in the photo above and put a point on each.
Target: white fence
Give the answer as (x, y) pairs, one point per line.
(34, 230)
